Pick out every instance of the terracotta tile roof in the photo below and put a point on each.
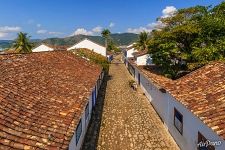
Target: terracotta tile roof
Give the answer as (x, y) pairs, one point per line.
(202, 92)
(42, 96)
(157, 79)
(109, 53)
(140, 53)
(8, 51)
(127, 49)
(56, 47)
(130, 45)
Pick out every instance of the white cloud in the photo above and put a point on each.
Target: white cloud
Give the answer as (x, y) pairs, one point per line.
(156, 25)
(168, 11)
(2, 35)
(111, 24)
(38, 25)
(48, 32)
(138, 30)
(9, 32)
(42, 31)
(82, 31)
(7, 29)
(97, 29)
(54, 33)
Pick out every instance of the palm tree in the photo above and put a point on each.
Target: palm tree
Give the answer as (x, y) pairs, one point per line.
(106, 34)
(142, 43)
(22, 43)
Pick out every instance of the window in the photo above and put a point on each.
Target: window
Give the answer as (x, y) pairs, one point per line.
(86, 111)
(139, 78)
(78, 131)
(178, 121)
(202, 143)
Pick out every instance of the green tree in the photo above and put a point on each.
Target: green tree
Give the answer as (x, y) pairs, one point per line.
(211, 40)
(142, 43)
(112, 46)
(22, 43)
(194, 35)
(106, 34)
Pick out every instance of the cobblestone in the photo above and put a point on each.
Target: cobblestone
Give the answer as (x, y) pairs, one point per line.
(128, 120)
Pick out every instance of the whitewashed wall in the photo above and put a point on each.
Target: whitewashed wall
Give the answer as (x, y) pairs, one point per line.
(191, 126)
(155, 96)
(130, 52)
(42, 48)
(144, 60)
(73, 145)
(164, 104)
(90, 45)
(85, 122)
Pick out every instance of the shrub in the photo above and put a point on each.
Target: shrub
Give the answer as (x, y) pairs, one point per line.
(93, 57)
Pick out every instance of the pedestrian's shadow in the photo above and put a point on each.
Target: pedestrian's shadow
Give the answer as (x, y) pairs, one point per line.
(92, 134)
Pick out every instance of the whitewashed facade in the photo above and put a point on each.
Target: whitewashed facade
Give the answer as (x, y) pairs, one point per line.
(78, 138)
(130, 52)
(86, 43)
(42, 48)
(143, 60)
(165, 105)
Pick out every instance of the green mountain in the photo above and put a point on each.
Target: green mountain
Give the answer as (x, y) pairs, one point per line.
(119, 39)
(124, 38)
(5, 44)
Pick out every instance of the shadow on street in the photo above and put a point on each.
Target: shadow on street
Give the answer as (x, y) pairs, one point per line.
(92, 135)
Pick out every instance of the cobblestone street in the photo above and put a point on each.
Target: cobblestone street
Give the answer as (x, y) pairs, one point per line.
(124, 119)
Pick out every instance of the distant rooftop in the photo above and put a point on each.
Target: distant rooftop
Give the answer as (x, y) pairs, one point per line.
(54, 47)
(140, 53)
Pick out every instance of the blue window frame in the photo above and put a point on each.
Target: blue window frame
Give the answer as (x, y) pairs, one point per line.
(93, 98)
(87, 111)
(78, 131)
(178, 121)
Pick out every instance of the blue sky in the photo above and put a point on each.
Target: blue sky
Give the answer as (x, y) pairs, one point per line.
(62, 18)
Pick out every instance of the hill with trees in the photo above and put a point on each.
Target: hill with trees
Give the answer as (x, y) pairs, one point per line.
(118, 39)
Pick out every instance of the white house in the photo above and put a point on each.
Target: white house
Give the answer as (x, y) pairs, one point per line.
(130, 52)
(42, 48)
(142, 58)
(46, 48)
(127, 54)
(86, 43)
(130, 46)
(192, 108)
